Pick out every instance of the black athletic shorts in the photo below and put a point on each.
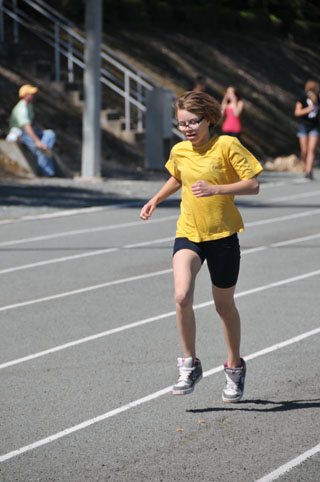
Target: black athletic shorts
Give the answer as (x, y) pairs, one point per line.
(222, 255)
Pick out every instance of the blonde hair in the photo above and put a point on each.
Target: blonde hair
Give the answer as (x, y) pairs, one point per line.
(201, 104)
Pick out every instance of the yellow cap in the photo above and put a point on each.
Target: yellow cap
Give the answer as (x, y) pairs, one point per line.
(27, 89)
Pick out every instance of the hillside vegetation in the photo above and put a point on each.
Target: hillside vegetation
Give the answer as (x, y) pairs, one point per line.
(269, 70)
(267, 64)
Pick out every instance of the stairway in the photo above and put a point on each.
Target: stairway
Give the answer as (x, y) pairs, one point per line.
(118, 77)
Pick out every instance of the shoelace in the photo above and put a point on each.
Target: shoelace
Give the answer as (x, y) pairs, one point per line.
(184, 374)
(233, 380)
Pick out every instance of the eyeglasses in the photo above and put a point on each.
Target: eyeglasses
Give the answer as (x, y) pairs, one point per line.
(194, 123)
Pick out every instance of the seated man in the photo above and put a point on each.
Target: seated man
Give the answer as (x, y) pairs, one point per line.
(40, 142)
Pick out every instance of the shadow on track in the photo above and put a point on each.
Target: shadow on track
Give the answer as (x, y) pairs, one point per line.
(68, 197)
(270, 406)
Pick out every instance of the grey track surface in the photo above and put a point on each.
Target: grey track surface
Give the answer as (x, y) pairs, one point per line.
(163, 438)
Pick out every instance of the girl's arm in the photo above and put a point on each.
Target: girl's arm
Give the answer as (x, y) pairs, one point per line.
(238, 108)
(204, 189)
(224, 103)
(300, 110)
(169, 188)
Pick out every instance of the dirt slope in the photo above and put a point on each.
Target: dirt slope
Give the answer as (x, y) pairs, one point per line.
(269, 71)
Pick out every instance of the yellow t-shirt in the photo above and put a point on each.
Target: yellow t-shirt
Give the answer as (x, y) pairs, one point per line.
(222, 160)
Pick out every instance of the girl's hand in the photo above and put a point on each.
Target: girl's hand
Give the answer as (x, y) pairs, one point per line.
(147, 210)
(203, 189)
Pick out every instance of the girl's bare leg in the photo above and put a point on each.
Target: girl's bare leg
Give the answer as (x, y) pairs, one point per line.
(303, 142)
(186, 265)
(227, 310)
(310, 154)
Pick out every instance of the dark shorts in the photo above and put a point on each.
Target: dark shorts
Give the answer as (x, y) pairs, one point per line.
(222, 255)
(305, 130)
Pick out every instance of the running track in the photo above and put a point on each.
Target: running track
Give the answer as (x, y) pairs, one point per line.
(89, 347)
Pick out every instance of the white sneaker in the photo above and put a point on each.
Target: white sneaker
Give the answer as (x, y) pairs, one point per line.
(234, 386)
(190, 373)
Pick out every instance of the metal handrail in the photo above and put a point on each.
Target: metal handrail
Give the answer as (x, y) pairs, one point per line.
(80, 62)
(66, 48)
(123, 88)
(79, 35)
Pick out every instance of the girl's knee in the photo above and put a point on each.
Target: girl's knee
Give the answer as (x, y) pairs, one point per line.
(183, 298)
(225, 310)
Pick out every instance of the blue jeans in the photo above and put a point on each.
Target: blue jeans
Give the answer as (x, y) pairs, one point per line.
(48, 137)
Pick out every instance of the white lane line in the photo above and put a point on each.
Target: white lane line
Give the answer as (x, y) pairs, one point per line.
(270, 202)
(266, 287)
(140, 223)
(290, 465)
(71, 212)
(111, 250)
(85, 290)
(135, 278)
(273, 184)
(281, 243)
(89, 338)
(291, 197)
(282, 218)
(151, 320)
(291, 182)
(58, 260)
(295, 240)
(75, 232)
(95, 209)
(295, 197)
(140, 401)
(97, 252)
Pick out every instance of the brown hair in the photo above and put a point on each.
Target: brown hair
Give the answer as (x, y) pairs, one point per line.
(201, 104)
(312, 86)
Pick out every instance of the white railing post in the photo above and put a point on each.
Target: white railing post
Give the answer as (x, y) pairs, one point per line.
(70, 63)
(135, 85)
(56, 51)
(140, 114)
(91, 132)
(159, 103)
(127, 101)
(15, 23)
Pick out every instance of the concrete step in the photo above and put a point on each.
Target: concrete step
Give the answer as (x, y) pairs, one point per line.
(44, 69)
(14, 160)
(112, 121)
(75, 98)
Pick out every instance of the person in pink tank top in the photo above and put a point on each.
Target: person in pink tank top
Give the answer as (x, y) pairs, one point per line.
(232, 108)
